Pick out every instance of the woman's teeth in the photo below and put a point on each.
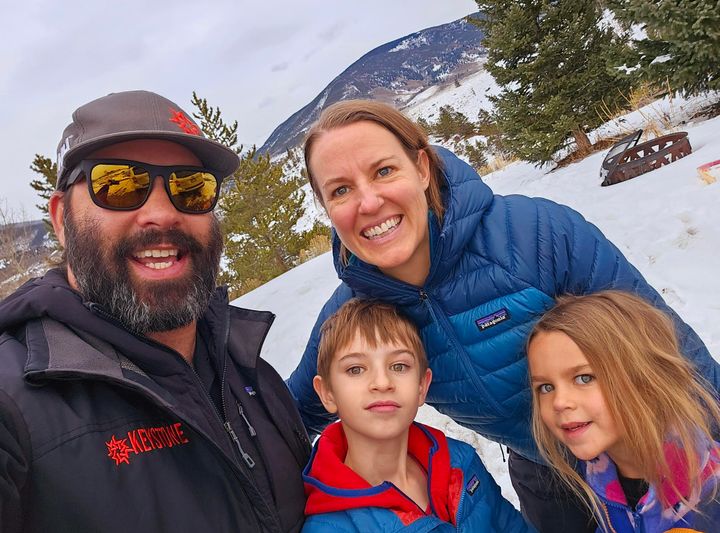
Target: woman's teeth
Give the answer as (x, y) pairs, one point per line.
(377, 231)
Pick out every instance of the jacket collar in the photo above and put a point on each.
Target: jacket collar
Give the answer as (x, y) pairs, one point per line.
(602, 476)
(330, 485)
(66, 335)
(466, 199)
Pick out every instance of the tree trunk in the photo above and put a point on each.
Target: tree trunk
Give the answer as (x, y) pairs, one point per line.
(581, 139)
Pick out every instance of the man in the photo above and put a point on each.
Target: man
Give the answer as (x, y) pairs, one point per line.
(132, 397)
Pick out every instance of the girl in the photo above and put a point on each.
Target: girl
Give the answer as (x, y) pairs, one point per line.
(611, 390)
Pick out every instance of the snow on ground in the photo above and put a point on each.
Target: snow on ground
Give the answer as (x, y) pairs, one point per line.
(667, 223)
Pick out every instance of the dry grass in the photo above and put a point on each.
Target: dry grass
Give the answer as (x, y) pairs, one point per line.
(495, 162)
(318, 245)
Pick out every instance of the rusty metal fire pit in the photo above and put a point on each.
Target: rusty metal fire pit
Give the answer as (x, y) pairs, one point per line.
(627, 159)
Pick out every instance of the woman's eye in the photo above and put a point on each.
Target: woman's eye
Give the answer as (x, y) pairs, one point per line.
(583, 379)
(384, 171)
(398, 367)
(340, 191)
(544, 388)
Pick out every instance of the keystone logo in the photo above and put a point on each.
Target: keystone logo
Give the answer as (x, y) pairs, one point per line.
(143, 440)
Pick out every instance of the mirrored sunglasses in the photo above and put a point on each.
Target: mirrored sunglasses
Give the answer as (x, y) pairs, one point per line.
(123, 185)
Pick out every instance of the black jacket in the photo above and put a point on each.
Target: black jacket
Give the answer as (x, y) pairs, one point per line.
(104, 430)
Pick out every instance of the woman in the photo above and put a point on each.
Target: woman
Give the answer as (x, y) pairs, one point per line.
(415, 226)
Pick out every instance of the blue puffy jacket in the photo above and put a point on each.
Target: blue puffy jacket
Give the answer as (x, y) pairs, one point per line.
(497, 263)
(463, 497)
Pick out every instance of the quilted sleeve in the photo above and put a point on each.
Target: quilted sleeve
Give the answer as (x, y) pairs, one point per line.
(313, 414)
(490, 512)
(575, 257)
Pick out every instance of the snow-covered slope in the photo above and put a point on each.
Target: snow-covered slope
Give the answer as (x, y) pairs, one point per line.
(666, 222)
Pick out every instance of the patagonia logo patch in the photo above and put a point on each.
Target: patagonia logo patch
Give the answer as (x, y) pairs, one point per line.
(144, 440)
(472, 485)
(250, 391)
(492, 319)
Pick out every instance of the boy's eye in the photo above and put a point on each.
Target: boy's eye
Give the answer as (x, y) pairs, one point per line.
(340, 191)
(354, 370)
(398, 367)
(583, 379)
(544, 388)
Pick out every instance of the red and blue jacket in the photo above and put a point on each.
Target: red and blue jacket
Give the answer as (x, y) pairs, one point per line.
(661, 509)
(462, 494)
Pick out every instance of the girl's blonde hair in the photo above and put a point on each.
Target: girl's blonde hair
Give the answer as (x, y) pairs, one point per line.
(650, 389)
(410, 135)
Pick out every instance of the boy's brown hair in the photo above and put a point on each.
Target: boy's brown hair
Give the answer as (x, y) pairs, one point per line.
(376, 322)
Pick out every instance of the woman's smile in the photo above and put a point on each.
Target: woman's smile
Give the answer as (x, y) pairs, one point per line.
(374, 194)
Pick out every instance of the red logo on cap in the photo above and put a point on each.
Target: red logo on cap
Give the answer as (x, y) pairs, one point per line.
(179, 118)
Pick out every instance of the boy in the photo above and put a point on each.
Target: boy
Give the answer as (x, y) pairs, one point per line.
(376, 469)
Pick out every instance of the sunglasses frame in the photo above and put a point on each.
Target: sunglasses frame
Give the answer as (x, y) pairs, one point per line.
(83, 170)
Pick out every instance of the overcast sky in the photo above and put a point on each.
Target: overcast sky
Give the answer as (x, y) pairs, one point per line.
(258, 61)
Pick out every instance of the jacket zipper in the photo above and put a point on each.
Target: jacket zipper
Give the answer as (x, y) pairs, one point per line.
(444, 324)
(247, 459)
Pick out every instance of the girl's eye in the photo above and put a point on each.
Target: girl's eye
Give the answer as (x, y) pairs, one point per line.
(354, 370)
(583, 379)
(340, 191)
(384, 171)
(544, 388)
(398, 367)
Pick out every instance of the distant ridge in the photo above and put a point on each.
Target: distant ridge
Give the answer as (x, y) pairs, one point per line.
(394, 72)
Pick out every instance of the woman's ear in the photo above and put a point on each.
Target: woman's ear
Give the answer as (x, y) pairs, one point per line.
(423, 166)
(425, 381)
(325, 394)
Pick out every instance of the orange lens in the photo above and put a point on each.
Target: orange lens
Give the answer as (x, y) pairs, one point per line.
(193, 191)
(120, 186)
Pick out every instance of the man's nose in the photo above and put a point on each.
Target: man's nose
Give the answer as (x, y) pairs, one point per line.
(158, 210)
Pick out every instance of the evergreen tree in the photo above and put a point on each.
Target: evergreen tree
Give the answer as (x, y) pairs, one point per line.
(44, 185)
(259, 210)
(451, 123)
(553, 60)
(475, 153)
(682, 43)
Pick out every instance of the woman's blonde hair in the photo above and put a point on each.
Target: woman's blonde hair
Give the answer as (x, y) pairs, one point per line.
(650, 389)
(411, 136)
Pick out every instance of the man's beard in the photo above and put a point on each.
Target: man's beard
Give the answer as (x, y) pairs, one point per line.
(103, 275)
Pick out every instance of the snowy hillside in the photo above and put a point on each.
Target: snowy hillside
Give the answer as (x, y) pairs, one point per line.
(666, 222)
(468, 97)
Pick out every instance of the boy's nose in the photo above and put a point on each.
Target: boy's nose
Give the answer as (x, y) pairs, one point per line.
(381, 381)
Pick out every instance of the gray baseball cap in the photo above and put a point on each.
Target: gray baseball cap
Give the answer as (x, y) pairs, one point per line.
(131, 115)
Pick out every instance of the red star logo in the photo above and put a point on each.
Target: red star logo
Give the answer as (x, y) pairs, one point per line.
(118, 450)
(179, 118)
